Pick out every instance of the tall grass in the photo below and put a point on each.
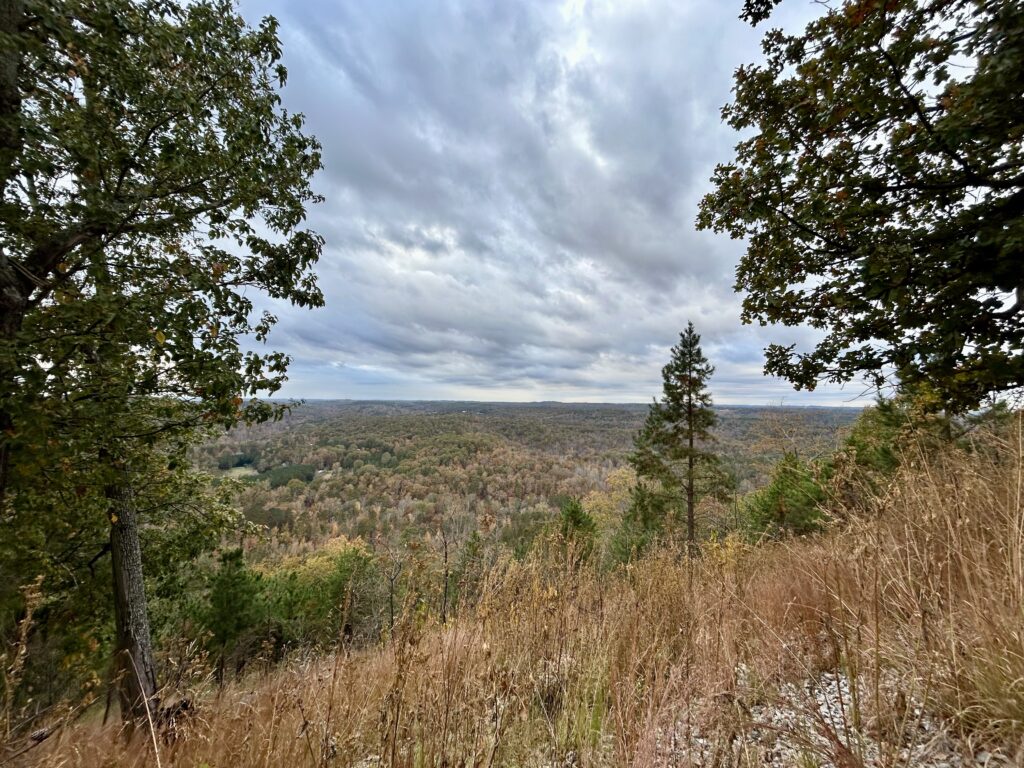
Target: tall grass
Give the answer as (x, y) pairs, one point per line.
(898, 633)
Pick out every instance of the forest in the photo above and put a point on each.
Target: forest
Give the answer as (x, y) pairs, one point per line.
(199, 567)
(373, 492)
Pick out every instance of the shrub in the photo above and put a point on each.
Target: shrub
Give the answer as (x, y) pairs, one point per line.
(233, 608)
(578, 529)
(791, 503)
(319, 599)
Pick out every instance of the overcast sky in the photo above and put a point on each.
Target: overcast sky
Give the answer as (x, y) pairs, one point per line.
(511, 188)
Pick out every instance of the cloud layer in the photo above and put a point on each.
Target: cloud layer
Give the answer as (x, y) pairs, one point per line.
(511, 189)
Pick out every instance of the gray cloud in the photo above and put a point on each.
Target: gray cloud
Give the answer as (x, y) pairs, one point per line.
(511, 189)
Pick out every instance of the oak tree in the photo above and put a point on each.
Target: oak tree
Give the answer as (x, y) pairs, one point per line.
(880, 188)
(150, 185)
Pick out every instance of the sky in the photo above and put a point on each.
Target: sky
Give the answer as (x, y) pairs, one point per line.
(510, 194)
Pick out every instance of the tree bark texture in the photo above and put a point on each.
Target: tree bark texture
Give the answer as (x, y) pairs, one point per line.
(12, 13)
(136, 669)
(13, 293)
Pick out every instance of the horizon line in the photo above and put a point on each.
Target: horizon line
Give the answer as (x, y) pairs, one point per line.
(546, 402)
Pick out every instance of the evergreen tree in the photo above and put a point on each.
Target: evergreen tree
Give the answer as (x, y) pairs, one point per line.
(671, 448)
(791, 502)
(234, 605)
(578, 529)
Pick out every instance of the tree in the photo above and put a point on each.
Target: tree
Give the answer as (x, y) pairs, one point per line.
(671, 447)
(150, 177)
(578, 529)
(880, 187)
(790, 502)
(150, 183)
(233, 608)
(58, 527)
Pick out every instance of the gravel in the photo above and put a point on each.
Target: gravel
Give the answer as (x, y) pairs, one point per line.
(813, 725)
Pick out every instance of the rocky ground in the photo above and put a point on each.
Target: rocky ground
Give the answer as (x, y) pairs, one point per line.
(816, 725)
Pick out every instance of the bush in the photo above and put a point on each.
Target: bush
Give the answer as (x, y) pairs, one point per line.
(233, 608)
(643, 523)
(325, 597)
(578, 529)
(790, 503)
(523, 529)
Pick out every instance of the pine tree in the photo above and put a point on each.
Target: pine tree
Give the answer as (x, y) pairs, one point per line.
(671, 448)
(234, 605)
(578, 529)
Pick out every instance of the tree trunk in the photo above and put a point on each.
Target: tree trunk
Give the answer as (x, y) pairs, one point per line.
(13, 292)
(12, 15)
(12, 314)
(136, 669)
(691, 530)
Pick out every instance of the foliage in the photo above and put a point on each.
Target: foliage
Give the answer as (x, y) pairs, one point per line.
(792, 501)
(523, 529)
(318, 599)
(314, 600)
(284, 475)
(872, 450)
(576, 521)
(150, 184)
(464, 463)
(489, 475)
(644, 523)
(880, 188)
(58, 533)
(912, 612)
(577, 528)
(232, 460)
(233, 606)
(874, 440)
(182, 185)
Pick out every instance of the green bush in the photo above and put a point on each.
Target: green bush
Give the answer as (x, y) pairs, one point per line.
(330, 595)
(578, 529)
(523, 528)
(790, 503)
(643, 523)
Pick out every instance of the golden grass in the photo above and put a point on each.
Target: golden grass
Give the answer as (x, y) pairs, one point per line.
(917, 601)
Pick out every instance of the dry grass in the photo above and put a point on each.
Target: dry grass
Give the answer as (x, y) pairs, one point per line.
(916, 606)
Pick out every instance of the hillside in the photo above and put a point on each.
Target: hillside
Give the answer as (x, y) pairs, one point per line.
(373, 468)
(893, 639)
